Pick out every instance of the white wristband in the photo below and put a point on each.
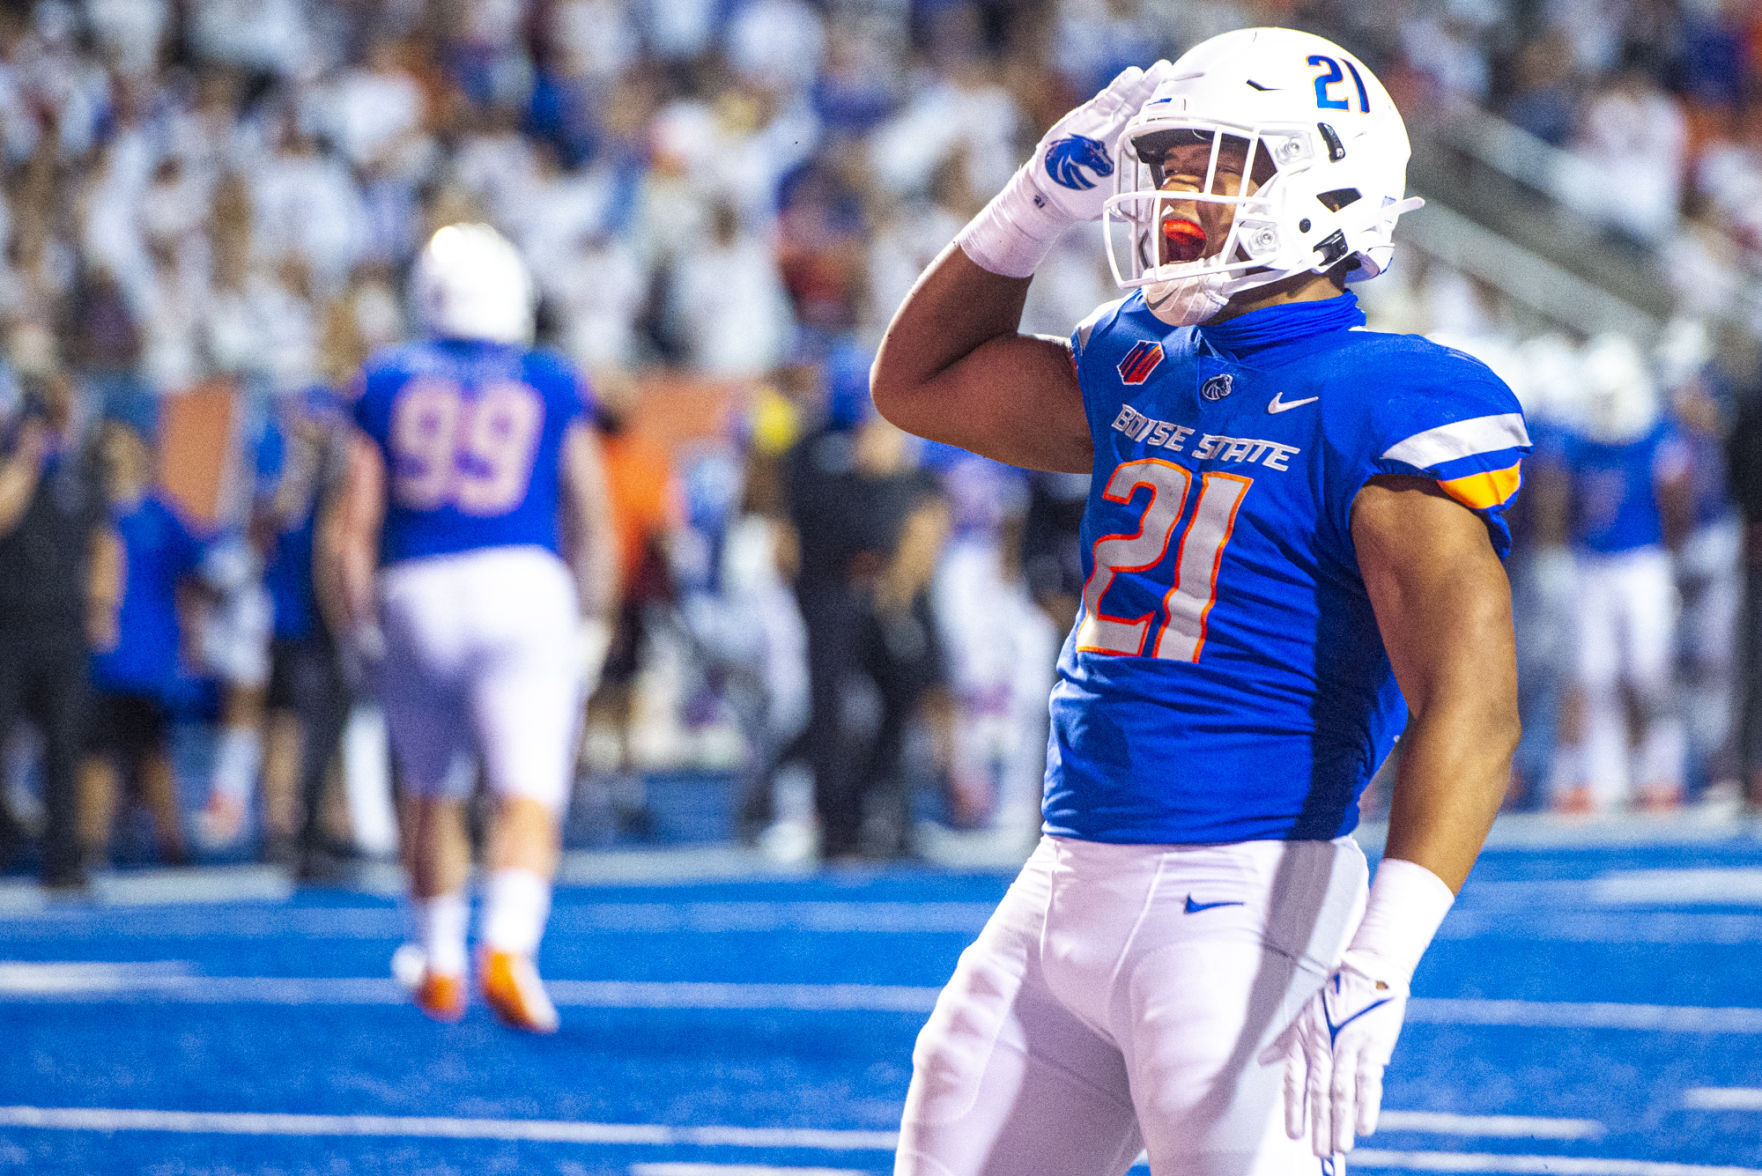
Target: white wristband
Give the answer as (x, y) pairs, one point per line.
(1406, 905)
(1012, 235)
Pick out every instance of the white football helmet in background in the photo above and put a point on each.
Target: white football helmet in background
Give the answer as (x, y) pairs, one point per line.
(1332, 134)
(469, 283)
(1620, 402)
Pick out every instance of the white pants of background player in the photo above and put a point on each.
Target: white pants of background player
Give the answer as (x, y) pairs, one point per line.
(481, 656)
(1119, 1000)
(1626, 616)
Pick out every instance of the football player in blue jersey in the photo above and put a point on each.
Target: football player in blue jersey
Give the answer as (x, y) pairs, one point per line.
(1630, 505)
(469, 560)
(1293, 542)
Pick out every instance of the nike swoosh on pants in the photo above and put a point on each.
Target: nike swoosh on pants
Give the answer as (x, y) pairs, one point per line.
(1195, 907)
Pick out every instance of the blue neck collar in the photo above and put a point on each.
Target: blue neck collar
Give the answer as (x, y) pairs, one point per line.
(1266, 328)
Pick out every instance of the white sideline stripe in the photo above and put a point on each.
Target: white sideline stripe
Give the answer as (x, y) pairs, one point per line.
(1723, 1098)
(1725, 887)
(872, 998)
(1533, 1014)
(386, 922)
(174, 988)
(737, 1170)
(1486, 434)
(533, 1130)
(1489, 1126)
(84, 978)
(655, 1135)
(1498, 909)
(1412, 1161)
(172, 983)
(1605, 926)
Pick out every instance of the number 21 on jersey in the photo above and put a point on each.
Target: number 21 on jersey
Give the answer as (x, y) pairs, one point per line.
(1200, 551)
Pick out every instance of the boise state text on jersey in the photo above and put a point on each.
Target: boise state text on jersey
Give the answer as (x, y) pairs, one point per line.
(472, 436)
(1225, 679)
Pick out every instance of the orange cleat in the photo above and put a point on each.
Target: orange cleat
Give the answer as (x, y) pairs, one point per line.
(440, 997)
(511, 986)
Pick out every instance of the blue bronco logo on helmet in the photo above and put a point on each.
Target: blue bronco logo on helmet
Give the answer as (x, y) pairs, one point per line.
(1066, 159)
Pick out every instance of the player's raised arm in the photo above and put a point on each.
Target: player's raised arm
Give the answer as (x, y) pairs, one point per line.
(953, 366)
(19, 471)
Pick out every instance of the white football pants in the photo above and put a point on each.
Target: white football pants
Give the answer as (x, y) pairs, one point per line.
(1626, 615)
(482, 655)
(1119, 1000)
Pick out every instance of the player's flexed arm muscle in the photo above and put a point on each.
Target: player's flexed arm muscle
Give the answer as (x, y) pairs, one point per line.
(1443, 606)
(952, 366)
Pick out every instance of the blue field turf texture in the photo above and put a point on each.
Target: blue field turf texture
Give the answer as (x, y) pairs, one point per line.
(765, 1025)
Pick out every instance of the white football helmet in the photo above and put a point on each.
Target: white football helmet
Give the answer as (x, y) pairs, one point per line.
(469, 283)
(1312, 119)
(1620, 402)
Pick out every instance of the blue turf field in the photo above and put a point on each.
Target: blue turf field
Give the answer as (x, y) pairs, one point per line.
(1584, 1011)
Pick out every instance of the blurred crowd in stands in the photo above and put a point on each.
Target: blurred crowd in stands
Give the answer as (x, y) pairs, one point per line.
(221, 198)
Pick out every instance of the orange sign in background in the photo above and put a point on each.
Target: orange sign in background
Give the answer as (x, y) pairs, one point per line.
(199, 450)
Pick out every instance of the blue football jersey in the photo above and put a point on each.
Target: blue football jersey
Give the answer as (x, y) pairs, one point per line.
(1225, 679)
(472, 436)
(158, 551)
(1615, 504)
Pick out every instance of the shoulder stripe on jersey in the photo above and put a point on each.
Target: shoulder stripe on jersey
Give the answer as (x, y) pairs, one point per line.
(1485, 490)
(1460, 439)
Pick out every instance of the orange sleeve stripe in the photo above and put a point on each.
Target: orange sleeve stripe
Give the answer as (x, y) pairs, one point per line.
(1486, 490)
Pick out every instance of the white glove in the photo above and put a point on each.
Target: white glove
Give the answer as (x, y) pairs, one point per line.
(1336, 1051)
(1337, 1048)
(593, 641)
(1067, 181)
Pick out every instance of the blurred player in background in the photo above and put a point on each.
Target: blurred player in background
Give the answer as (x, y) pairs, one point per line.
(473, 490)
(235, 649)
(1630, 505)
(58, 588)
(1293, 525)
(308, 698)
(869, 526)
(643, 506)
(136, 650)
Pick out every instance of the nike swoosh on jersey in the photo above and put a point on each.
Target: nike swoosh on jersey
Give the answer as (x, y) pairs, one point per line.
(1275, 405)
(1194, 908)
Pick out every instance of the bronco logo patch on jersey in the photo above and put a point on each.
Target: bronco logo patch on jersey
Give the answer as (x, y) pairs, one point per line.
(1217, 387)
(1139, 362)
